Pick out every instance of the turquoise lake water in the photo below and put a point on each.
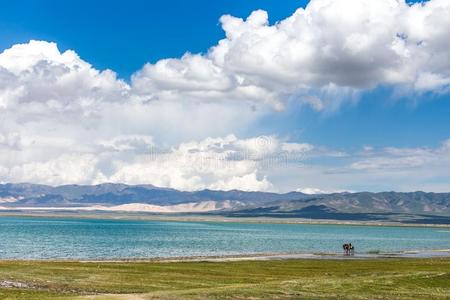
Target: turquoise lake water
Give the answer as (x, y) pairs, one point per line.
(47, 238)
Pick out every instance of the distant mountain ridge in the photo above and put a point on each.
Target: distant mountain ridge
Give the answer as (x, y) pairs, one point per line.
(114, 194)
(360, 205)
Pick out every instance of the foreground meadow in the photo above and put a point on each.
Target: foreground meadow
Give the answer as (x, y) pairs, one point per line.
(276, 279)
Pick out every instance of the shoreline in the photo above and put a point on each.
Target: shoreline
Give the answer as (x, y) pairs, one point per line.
(209, 218)
(409, 254)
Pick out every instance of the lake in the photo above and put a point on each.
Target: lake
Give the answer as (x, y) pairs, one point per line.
(71, 238)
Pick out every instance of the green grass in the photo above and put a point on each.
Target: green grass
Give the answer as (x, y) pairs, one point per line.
(276, 279)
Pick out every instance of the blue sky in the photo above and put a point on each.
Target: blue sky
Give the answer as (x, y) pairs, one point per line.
(124, 36)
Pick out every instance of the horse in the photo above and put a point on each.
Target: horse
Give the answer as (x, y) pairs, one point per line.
(349, 249)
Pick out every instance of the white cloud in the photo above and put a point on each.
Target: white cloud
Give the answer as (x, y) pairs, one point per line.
(67, 168)
(343, 45)
(38, 75)
(135, 143)
(375, 169)
(431, 81)
(392, 158)
(316, 191)
(196, 78)
(216, 163)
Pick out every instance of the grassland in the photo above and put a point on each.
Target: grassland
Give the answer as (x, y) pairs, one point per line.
(276, 279)
(386, 278)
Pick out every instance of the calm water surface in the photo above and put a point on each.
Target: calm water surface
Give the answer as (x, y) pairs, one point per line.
(45, 238)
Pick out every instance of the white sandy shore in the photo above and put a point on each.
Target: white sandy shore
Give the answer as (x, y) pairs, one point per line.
(409, 254)
(443, 253)
(413, 254)
(194, 207)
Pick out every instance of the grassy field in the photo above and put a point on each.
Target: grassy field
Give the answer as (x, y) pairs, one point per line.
(276, 279)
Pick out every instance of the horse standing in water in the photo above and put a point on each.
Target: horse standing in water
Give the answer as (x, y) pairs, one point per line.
(349, 249)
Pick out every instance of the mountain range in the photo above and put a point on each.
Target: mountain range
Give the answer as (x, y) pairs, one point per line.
(410, 207)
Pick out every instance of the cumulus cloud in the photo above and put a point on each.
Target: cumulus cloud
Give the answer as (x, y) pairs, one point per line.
(38, 75)
(222, 163)
(216, 163)
(344, 45)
